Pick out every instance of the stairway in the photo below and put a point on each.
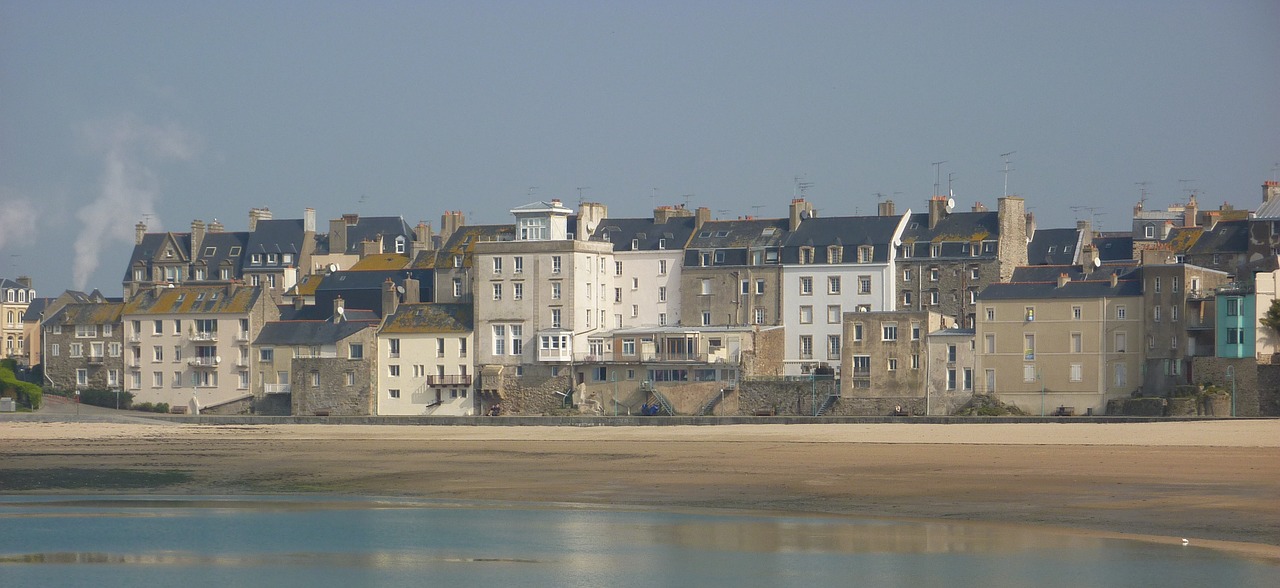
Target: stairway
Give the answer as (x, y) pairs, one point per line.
(828, 403)
(664, 403)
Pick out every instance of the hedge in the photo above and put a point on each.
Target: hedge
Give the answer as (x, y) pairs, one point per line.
(25, 393)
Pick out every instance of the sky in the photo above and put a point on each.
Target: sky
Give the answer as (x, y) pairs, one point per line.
(116, 112)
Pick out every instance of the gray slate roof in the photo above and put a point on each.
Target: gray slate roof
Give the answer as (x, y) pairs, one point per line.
(847, 231)
(954, 231)
(1226, 237)
(622, 231)
(1094, 285)
(309, 332)
(1053, 247)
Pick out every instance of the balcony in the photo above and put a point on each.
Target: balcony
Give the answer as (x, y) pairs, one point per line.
(95, 359)
(135, 338)
(449, 380)
(205, 336)
(277, 388)
(207, 362)
(554, 354)
(241, 337)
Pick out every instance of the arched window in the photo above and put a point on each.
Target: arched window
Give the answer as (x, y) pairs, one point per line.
(400, 244)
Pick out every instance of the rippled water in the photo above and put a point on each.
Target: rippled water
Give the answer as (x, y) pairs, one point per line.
(306, 541)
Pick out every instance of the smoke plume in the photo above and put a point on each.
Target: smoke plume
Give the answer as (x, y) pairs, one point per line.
(129, 187)
(18, 223)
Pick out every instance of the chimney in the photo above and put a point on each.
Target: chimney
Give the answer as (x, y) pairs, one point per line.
(1189, 212)
(1270, 190)
(139, 231)
(800, 210)
(885, 208)
(590, 214)
(661, 215)
(258, 214)
(1085, 228)
(25, 281)
(412, 291)
(1088, 254)
(979, 207)
(338, 310)
(1012, 239)
(937, 210)
(215, 226)
(422, 233)
(1115, 279)
(309, 220)
(390, 298)
(701, 217)
(337, 236)
(1063, 278)
(232, 286)
(197, 238)
(1165, 230)
(299, 302)
(450, 221)
(371, 247)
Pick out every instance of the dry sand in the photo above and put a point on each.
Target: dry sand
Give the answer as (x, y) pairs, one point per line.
(1209, 480)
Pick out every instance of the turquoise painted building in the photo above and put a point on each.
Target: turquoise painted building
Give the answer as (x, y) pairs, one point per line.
(1237, 323)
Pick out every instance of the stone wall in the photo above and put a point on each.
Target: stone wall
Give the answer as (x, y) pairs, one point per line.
(537, 392)
(273, 405)
(1269, 390)
(239, 406)
(1246, 382)
(333, 397)
(878, 406)
(783, 397)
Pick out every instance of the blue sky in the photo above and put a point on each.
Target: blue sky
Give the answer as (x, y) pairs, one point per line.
(110, 111)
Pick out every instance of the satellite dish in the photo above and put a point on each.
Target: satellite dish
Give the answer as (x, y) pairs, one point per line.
(400, 289)
(333, 267)
(1097, 262)
(951, 204)
(217, 359)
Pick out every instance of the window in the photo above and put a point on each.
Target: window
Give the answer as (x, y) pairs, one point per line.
(1173, 313)
(933, 297)
(518, 265)
(915, 361)
(355, 351)
(1077, 343)
(54, 350)
(555, 290)
(1029, 346)
(82, 378)
(746, 287)
(393, 393)
(457, 287)
(951, 379)
(350, 378)
(499, 339)
(555, 318)
(555, 264)
(1121, 340)
(1173, 284)
(864, 284)
(933, 274)
(951, 353)
(906, 275)
(1233, 307)
(893, 364)
(1235, 336)
(534, 229)
(1075, 312)
(157, 379)
(806, 286)
(1157, 284)
(1120, 312)
(635, 283)
(393, 370)
(915, 330)
(617, 268)
(759, 315)
(497, 291)
(662, 319)
(628, 346)
(861, 365)
(968, 378)
(719, 257)
(704, 287)
(1029, 372)
(635, 310)
(1149, 231)
(706, 318)
(157, 353)
(973, 272)
(439, 346)
(833, 285)
(806, 347)
(833, 346)
(662, 293)
(806, 315)
(517, 291)
(157, 327)
(906, 299)
(857, 331)
(889, 332)
(991, 313)
(517, 339)
(833, 314)
(1121, 375)
(662, 267)
(1031, 313)
(989, 343)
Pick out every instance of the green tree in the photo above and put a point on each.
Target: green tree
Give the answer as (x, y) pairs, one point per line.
(1271, 319)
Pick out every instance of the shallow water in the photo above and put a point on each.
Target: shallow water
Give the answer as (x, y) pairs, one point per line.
(309, 541)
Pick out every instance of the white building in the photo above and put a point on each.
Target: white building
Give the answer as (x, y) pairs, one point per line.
(832, 266)
(647, 260)
(425, 355)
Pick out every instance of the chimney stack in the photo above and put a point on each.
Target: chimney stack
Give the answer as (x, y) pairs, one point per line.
(661, 215)
(885, 208)
(800, 210)
(215, 226)
(197, 238)
(1063, 278)
(1270, 190)
(412, 291)
(979, 207)
(339, 314)
(390, 298)
(139, 231)
(309, 220)
(299, 302)
(1115, 280)
(258, 214)
(701, 217)
(337, 236)
(937, 210)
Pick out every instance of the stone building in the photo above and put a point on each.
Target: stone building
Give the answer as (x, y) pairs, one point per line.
(723, 255)
(884, 361)
(83, 344)
(1178, 324)
(333, 368)
(947, 257)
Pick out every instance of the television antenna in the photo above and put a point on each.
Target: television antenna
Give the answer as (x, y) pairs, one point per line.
(531, 190)
(755, 209)
(801, 186)
(1142, 201)
(1091, 210)
(950, 176)
(687, 199)
(1184, 183)
(580, 189)
(1007, 169)
(937, 181)
(722, 211)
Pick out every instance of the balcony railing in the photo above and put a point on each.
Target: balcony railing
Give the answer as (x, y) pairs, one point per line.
(205, 336)
(242, 337)
(135, 338)
(203, 362)
(551, 354)
(95, 359)
(449, 380)
(277, 388)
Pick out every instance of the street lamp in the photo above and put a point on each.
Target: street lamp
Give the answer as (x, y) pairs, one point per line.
(1231, 373)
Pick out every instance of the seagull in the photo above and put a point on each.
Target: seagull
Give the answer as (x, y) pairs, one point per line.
(1184, 541)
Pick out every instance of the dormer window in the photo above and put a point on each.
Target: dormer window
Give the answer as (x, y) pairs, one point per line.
(906, 251)
(209, 251)
(935, 250)
(255, 259)
(722, 234)
(1149, 231)
(865, 253)
(835, 254)
(272, 259)
(457, 261)
(806, 255)
(662, 243)
(535, 229)
(719, 257)
(635, 244)
(235, 252)
(704, 234)
(400, 244)
(287, 259)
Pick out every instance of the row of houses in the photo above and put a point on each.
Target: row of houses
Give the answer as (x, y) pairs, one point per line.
(568, 307)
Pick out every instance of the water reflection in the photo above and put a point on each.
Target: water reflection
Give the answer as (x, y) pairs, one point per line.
(218, 541)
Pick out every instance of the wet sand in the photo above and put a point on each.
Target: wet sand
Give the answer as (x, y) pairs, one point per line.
(1207, 481)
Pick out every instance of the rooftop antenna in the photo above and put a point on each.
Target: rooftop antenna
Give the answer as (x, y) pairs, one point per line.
(755, 209)
(1184, 183)
(950, 176)
(1093, 214)
(1007, 169)
(801, 186)
(580, 189)
(722, 211)
(653, 195)
(532, 189)
(1273, 171)
(1142, 201)
(687, 198)
(937, 181)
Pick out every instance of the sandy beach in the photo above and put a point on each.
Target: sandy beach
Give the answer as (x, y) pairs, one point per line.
(1208, 481)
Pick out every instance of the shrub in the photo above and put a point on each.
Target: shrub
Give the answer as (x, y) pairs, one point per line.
(24, 392)
(161, 407)
(143, 406)
(106, 398)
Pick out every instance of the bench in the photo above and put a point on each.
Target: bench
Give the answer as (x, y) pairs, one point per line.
(1065, 411)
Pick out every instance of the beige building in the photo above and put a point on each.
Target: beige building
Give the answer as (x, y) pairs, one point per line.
(425, 361)
(190, 343)
(1073, 341)
(15, 295)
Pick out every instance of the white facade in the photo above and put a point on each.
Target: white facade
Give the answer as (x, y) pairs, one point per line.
(176, 357)
(646, 290)
(426, 374)
(815, 298)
